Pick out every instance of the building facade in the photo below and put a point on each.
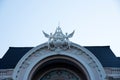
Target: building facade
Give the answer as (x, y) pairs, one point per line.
(60, 59)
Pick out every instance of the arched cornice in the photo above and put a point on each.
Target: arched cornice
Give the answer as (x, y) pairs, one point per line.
(79, 53)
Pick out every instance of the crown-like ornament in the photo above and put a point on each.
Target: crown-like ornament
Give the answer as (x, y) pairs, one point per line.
(58, 40)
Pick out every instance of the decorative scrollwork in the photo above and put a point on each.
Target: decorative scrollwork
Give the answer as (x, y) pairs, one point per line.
(58, 39)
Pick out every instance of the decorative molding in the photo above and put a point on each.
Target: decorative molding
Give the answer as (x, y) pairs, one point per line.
(82, 55)
(112, 72)
(6, 74)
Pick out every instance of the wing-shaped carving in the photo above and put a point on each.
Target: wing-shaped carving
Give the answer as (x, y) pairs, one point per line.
(46, 35)
(71, 34)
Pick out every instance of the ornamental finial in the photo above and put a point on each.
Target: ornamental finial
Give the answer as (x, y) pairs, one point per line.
(59, 24)
(58, 39)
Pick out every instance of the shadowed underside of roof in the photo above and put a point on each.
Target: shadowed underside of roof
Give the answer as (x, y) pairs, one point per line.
(103, 53)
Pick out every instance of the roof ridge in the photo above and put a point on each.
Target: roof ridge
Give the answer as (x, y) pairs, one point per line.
(20, 47)
(97, 46)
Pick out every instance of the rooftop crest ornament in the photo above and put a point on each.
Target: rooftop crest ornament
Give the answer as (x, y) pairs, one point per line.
(58, 40)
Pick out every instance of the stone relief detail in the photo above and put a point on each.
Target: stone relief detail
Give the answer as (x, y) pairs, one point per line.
(60, 74)
(39, 53)
(25, 65)
(58, 40)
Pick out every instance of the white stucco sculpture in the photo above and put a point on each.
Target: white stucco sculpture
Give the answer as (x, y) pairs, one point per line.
(58, 39)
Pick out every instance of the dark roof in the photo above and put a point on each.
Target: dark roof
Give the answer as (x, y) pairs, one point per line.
(105, 56)
(103, 53)
(12, 56)
(118, 58)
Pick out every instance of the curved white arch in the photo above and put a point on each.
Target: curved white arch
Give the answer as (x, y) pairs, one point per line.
(83, 63)
(98, 71)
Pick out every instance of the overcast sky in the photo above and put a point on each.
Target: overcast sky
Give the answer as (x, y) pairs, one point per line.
(96, 22)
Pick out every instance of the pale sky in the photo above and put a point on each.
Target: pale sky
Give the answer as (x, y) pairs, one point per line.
(96, 22)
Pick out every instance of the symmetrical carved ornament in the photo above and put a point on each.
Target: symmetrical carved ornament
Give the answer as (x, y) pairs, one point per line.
(58, 40)
(59, 45)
